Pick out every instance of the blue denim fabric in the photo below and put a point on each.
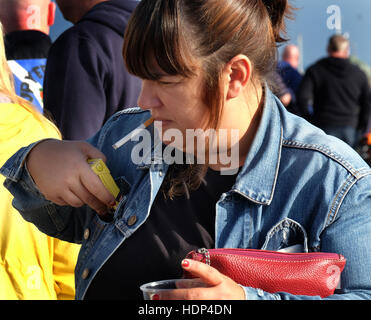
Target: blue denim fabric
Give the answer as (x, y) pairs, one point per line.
(347, 134)
(297, 186)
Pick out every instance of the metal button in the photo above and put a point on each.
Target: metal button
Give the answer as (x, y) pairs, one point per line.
(161, 173)
(85, 273)
(86, 234)
(132, 220)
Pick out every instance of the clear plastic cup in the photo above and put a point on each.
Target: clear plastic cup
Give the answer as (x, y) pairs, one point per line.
(151, 288)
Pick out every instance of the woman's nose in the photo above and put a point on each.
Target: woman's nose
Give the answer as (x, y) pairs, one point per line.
(148, 98)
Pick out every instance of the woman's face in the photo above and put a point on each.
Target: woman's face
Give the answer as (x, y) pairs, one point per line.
(175, 102)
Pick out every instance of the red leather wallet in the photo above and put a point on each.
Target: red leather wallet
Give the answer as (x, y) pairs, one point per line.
(310, 274)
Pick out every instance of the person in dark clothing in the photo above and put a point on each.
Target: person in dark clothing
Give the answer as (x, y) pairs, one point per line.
(339, 91)
(287, 69)
(27, 43)
(280, 89)
(85, 78)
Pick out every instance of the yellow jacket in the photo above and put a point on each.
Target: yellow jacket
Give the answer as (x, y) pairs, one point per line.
(32, 264)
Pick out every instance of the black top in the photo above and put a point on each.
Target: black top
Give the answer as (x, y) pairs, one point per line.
(154, 252)
(339, 91)
(27, 44)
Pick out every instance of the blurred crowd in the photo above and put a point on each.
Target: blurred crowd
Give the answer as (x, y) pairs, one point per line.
(333, 94)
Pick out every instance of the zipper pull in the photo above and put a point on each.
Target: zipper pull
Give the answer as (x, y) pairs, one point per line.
(206, 255)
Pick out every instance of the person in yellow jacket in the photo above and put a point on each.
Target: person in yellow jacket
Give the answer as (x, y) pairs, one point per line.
(33, 266)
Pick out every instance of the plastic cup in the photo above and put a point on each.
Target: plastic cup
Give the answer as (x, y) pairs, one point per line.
(151, 288)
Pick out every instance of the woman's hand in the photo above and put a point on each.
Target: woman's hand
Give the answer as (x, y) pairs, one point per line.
(216, 285)
(62, 174)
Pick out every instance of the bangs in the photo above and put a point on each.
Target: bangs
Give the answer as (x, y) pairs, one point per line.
(154, 42)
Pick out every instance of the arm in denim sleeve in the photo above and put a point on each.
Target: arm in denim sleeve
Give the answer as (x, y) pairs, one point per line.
(65, 223)
(348, 232)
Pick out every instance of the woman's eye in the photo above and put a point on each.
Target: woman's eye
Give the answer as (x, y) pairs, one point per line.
(166, 83)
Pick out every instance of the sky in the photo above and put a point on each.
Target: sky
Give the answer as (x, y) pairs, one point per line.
(59, 26)
(314, 23)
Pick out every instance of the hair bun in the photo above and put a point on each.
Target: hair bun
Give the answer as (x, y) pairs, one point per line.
(278, 10)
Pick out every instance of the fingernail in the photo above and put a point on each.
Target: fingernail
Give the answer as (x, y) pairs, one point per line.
(155, 297)
(185, 263)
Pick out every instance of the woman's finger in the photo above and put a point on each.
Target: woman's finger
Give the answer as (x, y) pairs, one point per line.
(187, 294)
(72, 199)
(59, 201)
(190, 283)
(95, 187)
(91, 152)
(206, 273)
(88, 198)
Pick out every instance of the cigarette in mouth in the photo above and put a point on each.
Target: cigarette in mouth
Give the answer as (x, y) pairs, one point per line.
(131, 134)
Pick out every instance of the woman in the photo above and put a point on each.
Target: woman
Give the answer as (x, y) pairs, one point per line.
(204, 65)
(33, 265)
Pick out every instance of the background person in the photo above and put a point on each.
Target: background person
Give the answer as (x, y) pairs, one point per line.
(27, 43)
(288, 69)
(340, 94)
(280, 89)
(33, 265)
(85, 78)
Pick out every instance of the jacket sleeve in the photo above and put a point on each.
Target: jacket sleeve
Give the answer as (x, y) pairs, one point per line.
(63, 222)
(74, 82)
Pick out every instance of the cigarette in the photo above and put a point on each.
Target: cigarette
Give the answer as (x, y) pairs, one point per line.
(131, 134)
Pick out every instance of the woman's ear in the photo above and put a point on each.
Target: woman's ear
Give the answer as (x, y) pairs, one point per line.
(238, 73)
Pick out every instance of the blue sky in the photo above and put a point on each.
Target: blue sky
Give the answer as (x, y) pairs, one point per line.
(311, 23)
(59, 26)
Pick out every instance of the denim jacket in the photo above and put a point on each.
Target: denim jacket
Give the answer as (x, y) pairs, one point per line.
(298, 186)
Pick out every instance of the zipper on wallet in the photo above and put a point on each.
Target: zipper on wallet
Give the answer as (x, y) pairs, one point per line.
(269, 254)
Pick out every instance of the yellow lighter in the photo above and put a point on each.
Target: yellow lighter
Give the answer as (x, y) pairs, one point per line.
(101, 170)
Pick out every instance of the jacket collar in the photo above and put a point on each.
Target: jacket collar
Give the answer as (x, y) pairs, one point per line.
(257, 178)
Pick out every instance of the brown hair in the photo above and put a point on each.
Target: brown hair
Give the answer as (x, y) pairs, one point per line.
(173, 33)
(337, 43)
